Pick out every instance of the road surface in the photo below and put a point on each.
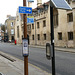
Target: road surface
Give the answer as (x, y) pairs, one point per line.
(64, 61)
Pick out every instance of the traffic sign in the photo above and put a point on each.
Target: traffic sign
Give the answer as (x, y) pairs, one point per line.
(25, 10)
(30, 19)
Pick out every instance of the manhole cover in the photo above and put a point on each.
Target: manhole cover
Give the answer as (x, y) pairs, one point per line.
(1, 74)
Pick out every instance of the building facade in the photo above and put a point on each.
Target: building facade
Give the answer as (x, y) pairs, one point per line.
(19, 28)
(1, 34)
(10, 28)
(64, 30)
(39, 32)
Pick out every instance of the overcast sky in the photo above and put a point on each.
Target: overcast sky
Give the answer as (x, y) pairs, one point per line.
(9, 7)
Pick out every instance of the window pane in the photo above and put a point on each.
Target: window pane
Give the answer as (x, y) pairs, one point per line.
(44, 23)
(37, 24)
(55, 19)
(70, 17)
(18, 31)
(12, 31)
(44, 36)
(59, 36)
(11, 23)
(32, 37)
(32, 26)
(38, 35)
(70, 35)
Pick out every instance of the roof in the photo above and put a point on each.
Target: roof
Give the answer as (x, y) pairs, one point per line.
(47, 3)
(12, 18)
(41, 6)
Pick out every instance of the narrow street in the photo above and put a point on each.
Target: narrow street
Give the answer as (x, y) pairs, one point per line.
(65, 61)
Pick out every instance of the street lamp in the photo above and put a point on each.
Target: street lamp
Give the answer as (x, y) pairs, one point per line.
(59, 4)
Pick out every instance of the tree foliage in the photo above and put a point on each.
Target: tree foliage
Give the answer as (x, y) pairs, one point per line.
(3, 28)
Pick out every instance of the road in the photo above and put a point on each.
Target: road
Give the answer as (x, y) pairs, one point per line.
(64, 61)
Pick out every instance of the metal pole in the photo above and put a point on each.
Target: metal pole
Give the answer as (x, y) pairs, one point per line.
(25, 36)
(52, 40)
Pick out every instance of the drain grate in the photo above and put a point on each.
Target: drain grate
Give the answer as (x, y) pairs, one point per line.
(7, 57)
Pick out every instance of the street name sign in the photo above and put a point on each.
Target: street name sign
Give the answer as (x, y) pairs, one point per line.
(25, 10)
(30, 19)
(60, 4)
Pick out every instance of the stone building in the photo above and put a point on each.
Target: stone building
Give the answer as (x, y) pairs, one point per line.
(19, 28)
(39, 32)
(1, 34)
(64, 30)
(10, 28)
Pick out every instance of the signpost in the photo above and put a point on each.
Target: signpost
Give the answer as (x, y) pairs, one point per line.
(25, 10)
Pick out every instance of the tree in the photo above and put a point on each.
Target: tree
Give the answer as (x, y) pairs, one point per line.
(3, 28)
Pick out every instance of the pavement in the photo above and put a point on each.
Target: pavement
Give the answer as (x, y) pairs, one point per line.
(10, 65)
(64, 49)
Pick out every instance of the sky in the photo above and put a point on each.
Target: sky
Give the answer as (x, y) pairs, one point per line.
(9, 7)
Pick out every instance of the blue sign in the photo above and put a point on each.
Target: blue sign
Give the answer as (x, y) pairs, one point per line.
(30, 19)
(25, 10)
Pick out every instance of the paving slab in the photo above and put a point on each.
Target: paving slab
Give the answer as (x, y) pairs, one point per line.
(8, 67)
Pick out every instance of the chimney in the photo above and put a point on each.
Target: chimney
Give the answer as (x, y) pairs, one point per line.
(29, 4)
(8, 16)
(39, 2)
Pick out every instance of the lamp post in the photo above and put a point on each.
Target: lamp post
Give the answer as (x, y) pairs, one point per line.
(56, 4)
(52, 40)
